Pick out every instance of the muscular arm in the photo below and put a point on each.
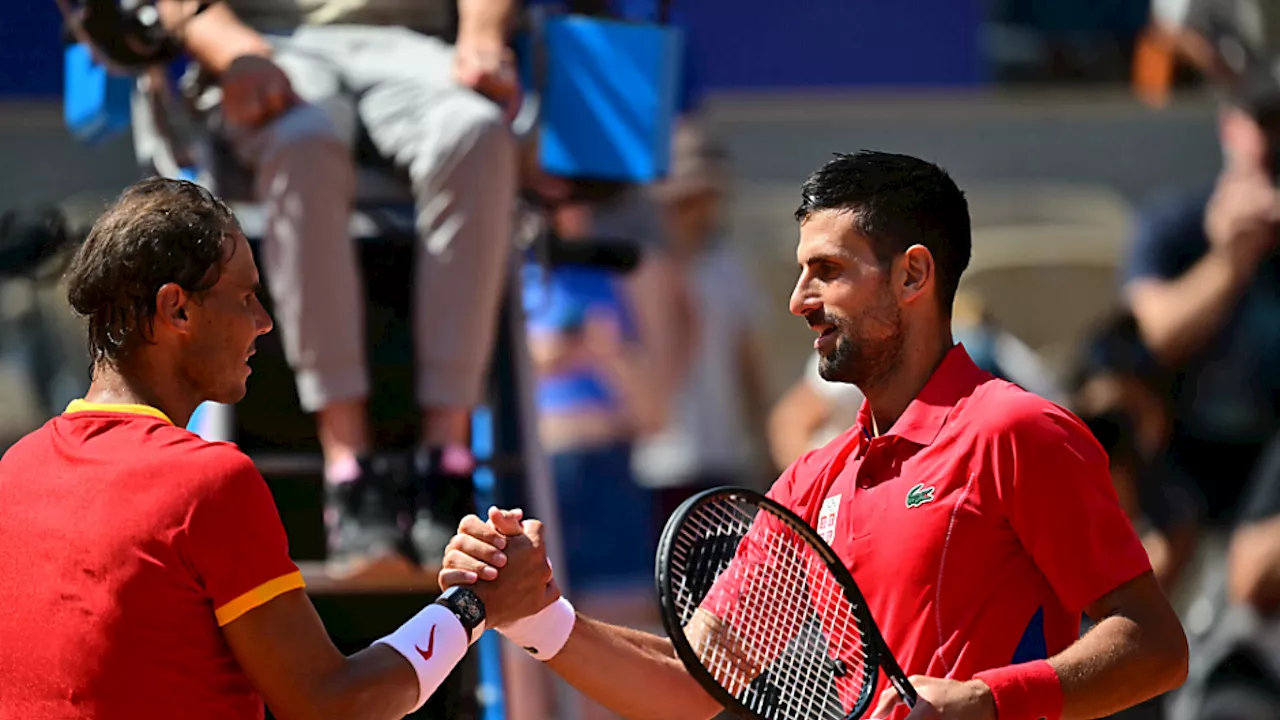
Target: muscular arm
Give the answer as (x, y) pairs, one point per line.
(633, 673)
(1050, 473)
(285, 651)
(1177, 317)
(1136, 651)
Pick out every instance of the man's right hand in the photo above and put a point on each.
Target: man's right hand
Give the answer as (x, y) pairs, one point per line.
(525, 585)
(1241, 219)
(255, 91)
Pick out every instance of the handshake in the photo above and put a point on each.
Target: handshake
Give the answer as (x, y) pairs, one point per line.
(503, 562)
(495, 575)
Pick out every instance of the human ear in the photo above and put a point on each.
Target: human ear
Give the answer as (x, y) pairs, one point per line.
(172, 303)
(916, 273)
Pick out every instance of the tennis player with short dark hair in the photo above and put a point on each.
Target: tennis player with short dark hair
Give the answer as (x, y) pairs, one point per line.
(978, 519)
(144, 572)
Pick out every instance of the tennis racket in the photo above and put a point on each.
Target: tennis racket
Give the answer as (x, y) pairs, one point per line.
(764, 614)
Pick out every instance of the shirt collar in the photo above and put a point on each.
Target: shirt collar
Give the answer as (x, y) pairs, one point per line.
(79, 406)
(953, 380)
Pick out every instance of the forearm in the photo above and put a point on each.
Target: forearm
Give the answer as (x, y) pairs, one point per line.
(376, 683)
(484, 20)
(216, 36)
(1179, 317)
(1115, 666)
(633, 673)
(399, 672)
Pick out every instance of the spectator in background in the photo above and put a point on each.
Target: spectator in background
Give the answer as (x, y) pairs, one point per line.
(596, 393)
(718, 414)
(291, 80)
(1203, 282)
(1122, 395)
(1235, 673)
(659, 298)
(656, 292)
(814, 411)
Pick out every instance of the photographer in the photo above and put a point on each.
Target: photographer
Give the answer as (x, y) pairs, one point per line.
(1203, 282)
(1203, 278)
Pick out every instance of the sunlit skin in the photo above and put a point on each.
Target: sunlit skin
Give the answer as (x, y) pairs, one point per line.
(199, 346)
(880, 325)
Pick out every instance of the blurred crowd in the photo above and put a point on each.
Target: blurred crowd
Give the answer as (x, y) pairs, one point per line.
(653, 384)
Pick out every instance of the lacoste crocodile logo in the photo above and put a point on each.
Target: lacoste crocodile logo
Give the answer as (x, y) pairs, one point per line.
(919, 495)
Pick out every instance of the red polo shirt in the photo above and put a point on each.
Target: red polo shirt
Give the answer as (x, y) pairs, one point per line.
(125, 545)
(978, 527)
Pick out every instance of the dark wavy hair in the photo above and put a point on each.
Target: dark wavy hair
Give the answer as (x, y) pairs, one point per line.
(159, 231)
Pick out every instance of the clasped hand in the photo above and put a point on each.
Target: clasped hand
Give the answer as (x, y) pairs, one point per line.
(475, 555)
(508, 543)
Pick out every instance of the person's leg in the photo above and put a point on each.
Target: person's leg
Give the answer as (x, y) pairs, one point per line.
(305, 179)
(462, 159)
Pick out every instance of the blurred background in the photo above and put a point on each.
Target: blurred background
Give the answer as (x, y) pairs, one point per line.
(1102, 145)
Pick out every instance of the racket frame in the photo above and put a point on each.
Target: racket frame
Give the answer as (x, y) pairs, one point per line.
(878, 655)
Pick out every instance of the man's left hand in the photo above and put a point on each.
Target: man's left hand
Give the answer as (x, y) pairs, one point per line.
(942, 699)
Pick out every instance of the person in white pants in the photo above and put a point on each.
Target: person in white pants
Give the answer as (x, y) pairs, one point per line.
(289, 83)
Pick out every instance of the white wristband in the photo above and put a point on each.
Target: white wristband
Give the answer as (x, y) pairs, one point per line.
(434, 642)
(544, 633)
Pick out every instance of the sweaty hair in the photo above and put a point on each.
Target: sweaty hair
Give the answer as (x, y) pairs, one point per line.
(159, 231)
(897, 201)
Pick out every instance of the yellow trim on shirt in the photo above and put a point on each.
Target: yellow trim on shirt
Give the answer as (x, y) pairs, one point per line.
(76, 406)
(261, 595)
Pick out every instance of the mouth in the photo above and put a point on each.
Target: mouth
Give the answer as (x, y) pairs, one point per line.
(826, 336)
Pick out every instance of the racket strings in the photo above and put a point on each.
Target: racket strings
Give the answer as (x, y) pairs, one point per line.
(786, 641)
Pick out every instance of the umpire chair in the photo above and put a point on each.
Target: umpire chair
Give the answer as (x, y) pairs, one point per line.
(576, 138)
(270, 426)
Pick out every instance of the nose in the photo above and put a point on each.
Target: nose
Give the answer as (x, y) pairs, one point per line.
(263, 319)
(803, 299)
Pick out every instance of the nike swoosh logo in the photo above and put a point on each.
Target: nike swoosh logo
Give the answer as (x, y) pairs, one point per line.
(431, 645)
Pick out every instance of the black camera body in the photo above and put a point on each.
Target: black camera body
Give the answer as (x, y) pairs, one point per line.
(127, 34)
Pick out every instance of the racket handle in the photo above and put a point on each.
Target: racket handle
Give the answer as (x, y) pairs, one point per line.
(904, 688)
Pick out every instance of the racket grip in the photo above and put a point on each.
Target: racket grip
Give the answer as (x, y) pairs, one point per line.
(905, 690)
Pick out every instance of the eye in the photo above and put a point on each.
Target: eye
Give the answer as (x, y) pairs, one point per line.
(825, 270)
